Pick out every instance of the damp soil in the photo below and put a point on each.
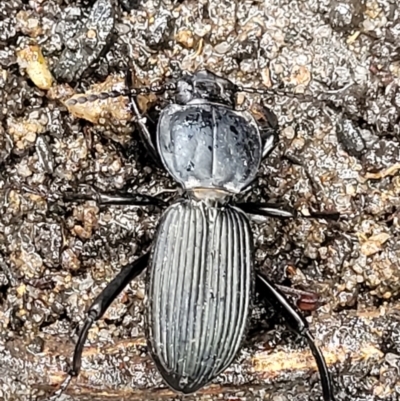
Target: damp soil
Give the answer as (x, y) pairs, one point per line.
(338, 151)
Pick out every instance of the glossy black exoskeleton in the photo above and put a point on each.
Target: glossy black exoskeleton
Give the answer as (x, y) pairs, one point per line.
(201, 277)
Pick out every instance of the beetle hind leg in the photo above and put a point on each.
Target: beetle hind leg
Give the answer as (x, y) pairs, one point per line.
(300, 326)
(283, 211)
(97, 310)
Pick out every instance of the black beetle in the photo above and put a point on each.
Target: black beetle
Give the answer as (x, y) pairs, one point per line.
(201, 278)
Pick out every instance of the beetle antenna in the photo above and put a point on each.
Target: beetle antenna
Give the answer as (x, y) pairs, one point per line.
(123, 92)
(272, 92)
(301, 96)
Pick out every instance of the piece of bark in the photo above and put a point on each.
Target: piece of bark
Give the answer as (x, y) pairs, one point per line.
(354, 344)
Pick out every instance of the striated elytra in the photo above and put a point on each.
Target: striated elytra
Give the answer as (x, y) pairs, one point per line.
(200, 277)
(199, 292)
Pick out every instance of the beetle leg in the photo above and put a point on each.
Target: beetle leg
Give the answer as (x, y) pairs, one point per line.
(97, 310)
(114, 199)
(268, 209)
(269, 139)
(268, 127)
(300, 326)
(103, 301)
(268, 130)
(282, 211)
(141, 122)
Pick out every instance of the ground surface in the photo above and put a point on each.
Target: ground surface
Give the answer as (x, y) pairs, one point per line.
(55, 258)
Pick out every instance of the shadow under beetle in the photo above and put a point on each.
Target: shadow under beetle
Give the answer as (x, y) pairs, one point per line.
(201, 277)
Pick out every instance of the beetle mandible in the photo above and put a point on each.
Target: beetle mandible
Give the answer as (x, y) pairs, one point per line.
(200, 277)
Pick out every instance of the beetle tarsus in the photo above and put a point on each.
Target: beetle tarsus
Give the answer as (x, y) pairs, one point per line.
(64, 385)
(326, 381)
(300, 326)
(90, 319)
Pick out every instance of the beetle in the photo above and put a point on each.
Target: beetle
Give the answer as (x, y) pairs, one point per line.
(200, 273)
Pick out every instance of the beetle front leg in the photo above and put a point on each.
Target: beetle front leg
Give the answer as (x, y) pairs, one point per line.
(268, 125)
(300, 326)
(128, 199)
(270, 140)
(97, 310)
(141, 122)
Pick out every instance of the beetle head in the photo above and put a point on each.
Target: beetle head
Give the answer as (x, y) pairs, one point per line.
(207, 86)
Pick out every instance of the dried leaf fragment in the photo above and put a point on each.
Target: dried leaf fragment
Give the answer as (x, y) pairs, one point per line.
(300, 75)
(24, 131)
(382, 174)
(31, 58)
(185, 38)
(374, 243)
(29, 24)
(93, 111)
